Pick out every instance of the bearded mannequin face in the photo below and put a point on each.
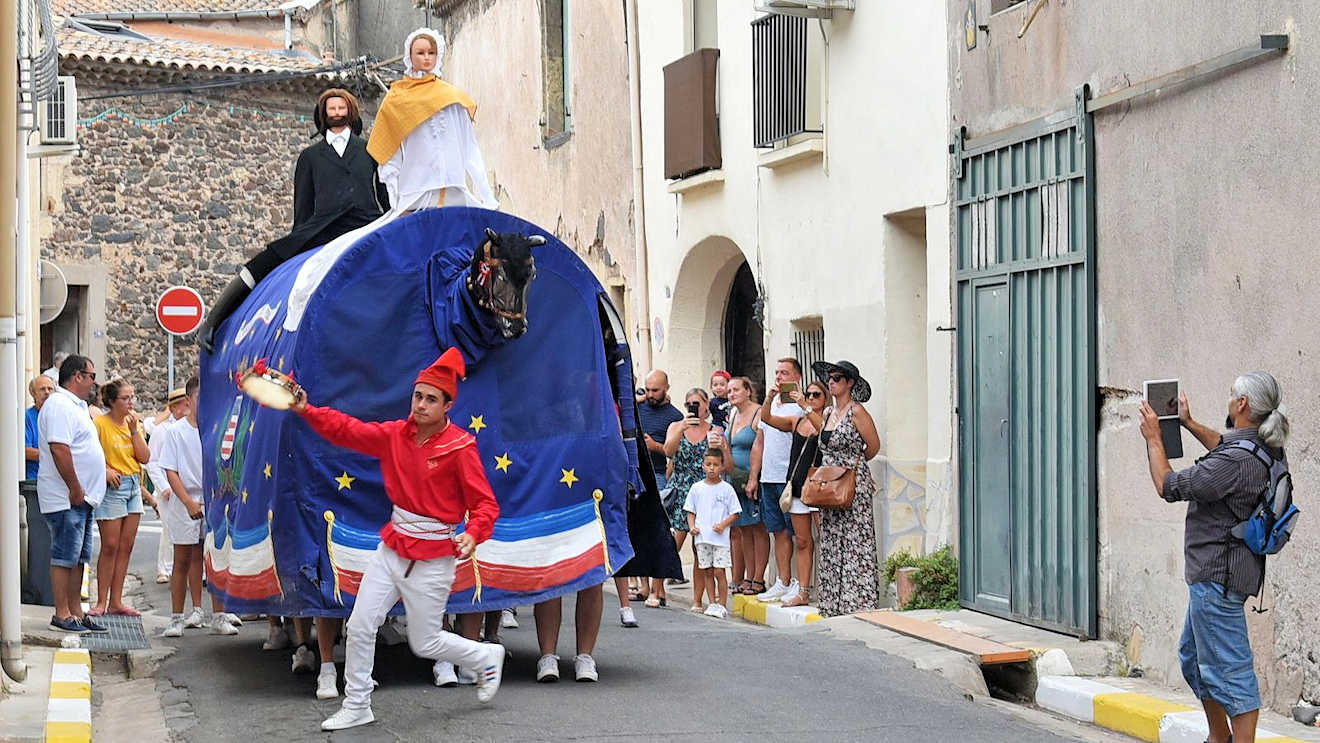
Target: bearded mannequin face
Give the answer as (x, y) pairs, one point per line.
(336, 113)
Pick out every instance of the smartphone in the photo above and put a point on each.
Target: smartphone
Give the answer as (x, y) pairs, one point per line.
(693, 408)
(786, 391)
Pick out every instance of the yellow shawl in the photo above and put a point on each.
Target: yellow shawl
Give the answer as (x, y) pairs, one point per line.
(411, 101)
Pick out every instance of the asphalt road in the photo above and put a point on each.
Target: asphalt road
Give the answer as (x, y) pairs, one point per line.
(677, 677)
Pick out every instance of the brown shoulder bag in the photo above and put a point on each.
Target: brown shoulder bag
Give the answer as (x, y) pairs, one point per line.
(830, 487)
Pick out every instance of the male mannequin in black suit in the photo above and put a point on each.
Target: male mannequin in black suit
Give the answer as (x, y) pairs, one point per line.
(335, 190)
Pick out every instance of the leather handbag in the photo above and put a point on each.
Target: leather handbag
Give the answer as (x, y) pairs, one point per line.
(830, 487)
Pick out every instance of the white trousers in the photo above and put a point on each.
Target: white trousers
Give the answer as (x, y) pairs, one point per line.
(165, 547)
(425, 592)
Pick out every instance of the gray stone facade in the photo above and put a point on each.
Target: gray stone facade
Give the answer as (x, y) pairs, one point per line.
(182, 202)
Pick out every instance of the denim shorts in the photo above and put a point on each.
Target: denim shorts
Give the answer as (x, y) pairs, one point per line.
(70, 536)
(1215, 652)
(775, 519)
(121, 501)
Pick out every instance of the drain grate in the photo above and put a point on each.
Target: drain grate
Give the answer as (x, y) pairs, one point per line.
(125, 633)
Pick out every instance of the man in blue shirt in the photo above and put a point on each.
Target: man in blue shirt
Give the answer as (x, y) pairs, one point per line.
(656, 413)
(40, 389)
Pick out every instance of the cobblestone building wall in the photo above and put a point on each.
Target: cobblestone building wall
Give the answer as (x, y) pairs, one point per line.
(183, 201)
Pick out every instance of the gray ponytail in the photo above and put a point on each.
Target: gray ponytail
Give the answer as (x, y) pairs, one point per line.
(1263, 398)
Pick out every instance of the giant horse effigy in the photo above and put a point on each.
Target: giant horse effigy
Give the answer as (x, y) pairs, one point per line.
(292, 519)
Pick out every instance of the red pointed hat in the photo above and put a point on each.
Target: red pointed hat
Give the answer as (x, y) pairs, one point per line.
(445, 373)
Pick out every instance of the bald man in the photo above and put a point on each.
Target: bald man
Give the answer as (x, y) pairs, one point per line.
(656, 413)
(40, 389)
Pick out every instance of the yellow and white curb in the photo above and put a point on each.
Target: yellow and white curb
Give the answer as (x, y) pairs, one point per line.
(1138, 715)
(773, 615)
(69, 712)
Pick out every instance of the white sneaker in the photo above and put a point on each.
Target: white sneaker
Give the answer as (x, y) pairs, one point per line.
(162, 577)
(233, 619)
(509, 619)
(773, 593)
(488, 678)
(174, 628)
(195, 619)
(220, 625)
(626, 616)
(276, 639)
(444, 674)
(326, 682)
(547, 669)
(466, 676)
(304, 660)
(714, 611)
(584, 668)
(794, 590)
(348, 718)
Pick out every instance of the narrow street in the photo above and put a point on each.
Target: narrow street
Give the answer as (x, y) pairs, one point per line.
(678, 676)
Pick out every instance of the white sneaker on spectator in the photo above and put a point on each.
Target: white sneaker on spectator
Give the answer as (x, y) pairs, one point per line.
(626, 616)
(547, 669)
(348, 718)
(444, 674)
(714, 611)
(174, 628)
(509, 619)
(162, 577)
(584, 668)
(794, 590)
(466, 676)
(489, 676)
(276, 639)
(195, 619)
(304, 660)
(326, 682)
(220, 625)
(773, 593)
(233, 619)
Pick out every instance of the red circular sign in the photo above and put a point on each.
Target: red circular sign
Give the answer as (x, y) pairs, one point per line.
(179, 310)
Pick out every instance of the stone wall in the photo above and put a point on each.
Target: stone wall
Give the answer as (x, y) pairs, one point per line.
(184, 201)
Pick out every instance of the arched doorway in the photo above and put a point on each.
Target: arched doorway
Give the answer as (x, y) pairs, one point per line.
(713, 319)
(744, 342)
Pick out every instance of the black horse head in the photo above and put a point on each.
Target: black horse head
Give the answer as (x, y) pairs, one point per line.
(502, 272)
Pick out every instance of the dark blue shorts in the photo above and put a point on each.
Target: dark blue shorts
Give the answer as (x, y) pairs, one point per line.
(775, 519)
(70, 536)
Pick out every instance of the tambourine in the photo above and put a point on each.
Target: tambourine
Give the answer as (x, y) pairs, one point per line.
(269, 387)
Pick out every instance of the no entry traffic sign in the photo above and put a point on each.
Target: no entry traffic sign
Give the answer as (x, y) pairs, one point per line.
(179, 310)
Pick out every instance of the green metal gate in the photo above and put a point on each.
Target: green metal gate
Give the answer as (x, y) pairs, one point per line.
(1024, 202)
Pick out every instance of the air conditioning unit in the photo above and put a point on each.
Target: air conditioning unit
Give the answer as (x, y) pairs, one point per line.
(59, 114)
(805, 8)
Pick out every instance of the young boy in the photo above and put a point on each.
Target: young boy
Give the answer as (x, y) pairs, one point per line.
(711, 507)
(719, 400)
(433, 476)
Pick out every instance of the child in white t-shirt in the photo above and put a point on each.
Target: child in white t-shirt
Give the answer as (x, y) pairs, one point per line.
(711, 507)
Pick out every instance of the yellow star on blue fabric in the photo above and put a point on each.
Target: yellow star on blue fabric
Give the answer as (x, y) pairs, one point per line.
(502, 462)
(478, 423)
(570, 477)
(345, 482)
(267, 470)
(245, 495)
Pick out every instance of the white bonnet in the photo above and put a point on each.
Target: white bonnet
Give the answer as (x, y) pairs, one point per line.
(439, 48)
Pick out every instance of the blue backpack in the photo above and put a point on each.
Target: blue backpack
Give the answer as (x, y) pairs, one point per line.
(1270, 525)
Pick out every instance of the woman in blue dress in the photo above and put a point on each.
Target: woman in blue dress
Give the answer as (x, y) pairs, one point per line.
(750, 541)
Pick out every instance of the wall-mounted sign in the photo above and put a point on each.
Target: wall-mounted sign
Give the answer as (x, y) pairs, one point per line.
(969, 25)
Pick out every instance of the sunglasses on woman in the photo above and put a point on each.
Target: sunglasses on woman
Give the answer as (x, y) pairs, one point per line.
(814, 394)
(836, 377)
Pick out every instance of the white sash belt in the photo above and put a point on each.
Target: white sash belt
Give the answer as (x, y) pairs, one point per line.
(417, 526)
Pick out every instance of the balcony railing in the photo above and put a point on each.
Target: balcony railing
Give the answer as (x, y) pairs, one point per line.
(785, 80)
(692, 129)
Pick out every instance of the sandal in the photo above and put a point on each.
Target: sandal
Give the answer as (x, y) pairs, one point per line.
(697, 609)
(799, 600)
(636, 595)
(655, 602)
(125, 611)
(751, 591)
(743, 587)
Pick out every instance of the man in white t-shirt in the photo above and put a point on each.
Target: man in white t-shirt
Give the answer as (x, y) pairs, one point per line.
(177, 409)
(70, 483)
(711, 507)
(770, 456)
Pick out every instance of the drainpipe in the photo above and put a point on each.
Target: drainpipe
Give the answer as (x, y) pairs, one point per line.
(643, 288)
(288, 28)
(11, 630)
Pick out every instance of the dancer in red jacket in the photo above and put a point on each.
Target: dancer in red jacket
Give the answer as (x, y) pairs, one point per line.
(433, 476)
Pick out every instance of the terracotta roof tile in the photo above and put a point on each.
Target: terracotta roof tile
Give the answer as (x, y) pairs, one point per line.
(173, 53)
(80, 7)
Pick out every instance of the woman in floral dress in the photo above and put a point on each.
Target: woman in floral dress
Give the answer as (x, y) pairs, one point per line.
(847, 577)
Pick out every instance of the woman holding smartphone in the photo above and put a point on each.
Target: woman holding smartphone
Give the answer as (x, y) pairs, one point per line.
(686, 442)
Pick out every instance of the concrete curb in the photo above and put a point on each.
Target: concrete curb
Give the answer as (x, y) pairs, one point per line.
(773, 615)
(69, 711)
(1139, 715)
